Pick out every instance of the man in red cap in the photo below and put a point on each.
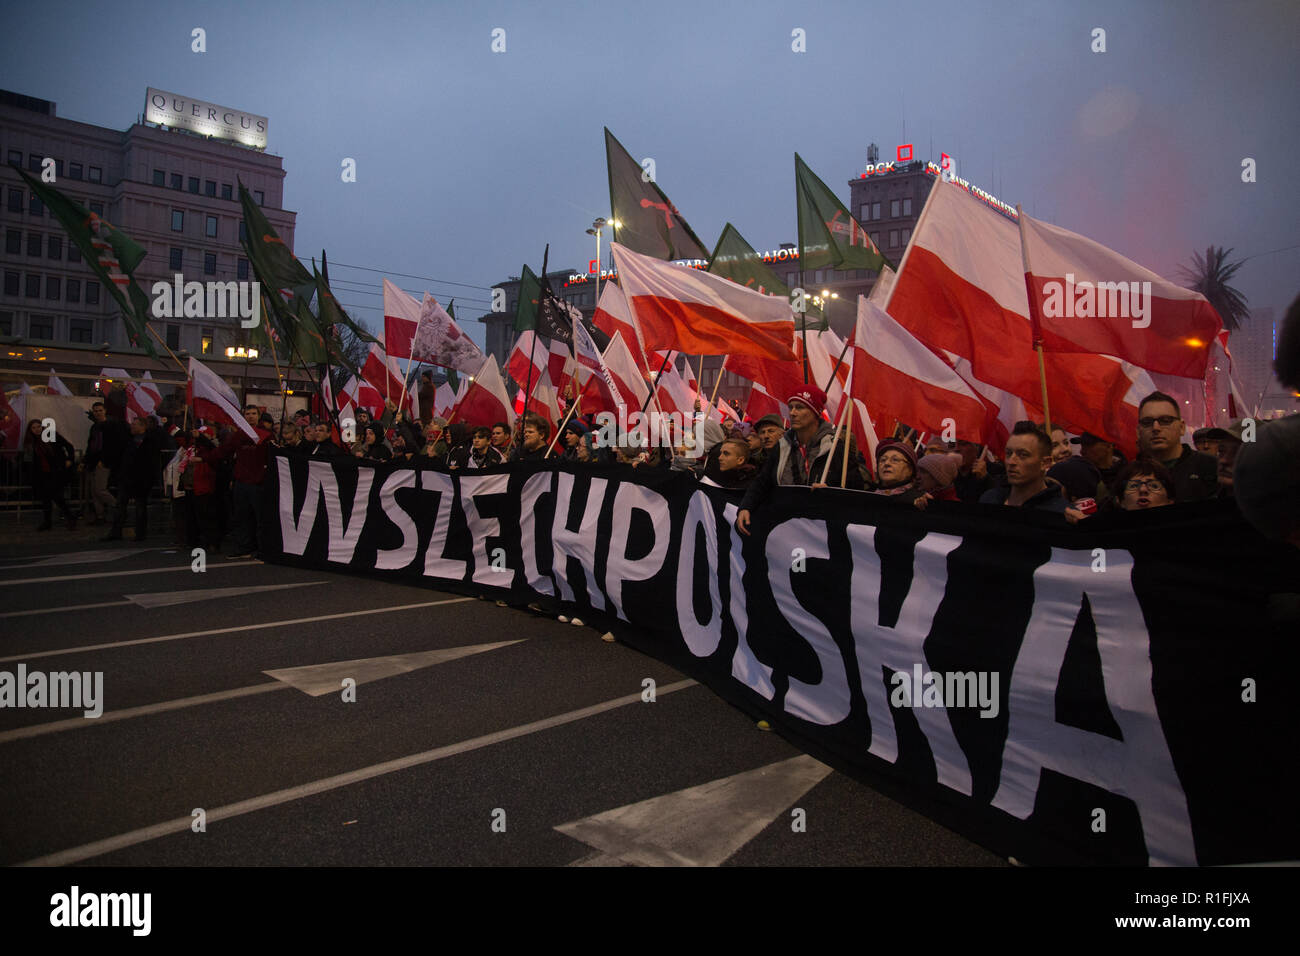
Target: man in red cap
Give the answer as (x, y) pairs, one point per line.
(800, 457)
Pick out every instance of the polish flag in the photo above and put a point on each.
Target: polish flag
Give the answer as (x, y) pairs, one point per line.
(401, 319)
(545, 402)
(529, 350)
(486, 400)
(382, 372)
(214, 399)
(897, 377)
(1087, 298)
(762, 403)
(595, 390)
(612, 317)
(625, 374)
(961, 288)
(142, 398)
(675, 394)
(778, 379)
(362, 394)
(1006, 408)
(55, 386)
(824, 348)
(700, 313)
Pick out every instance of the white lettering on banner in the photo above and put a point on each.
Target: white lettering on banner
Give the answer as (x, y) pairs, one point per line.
(436, 564)
(577, 542)
(702, 639)
(536, 486)
(878, 647)
(322, 481)
(826, 702)
(621, 568)
(481, 528)
(403, 554)
(1139, 766)
(745, 667)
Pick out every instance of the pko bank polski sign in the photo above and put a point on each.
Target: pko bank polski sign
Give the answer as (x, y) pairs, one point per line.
(207, 119)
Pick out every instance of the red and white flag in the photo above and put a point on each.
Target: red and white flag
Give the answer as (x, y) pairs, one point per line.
(594, 388)
(613, 317)
(700, 313)
(362, 394)
(779, 380)
(401, 319)
(625, 373)
(529, 359)
(898, 378)
(214, 399)
(143, 398)
(55, 386)
(1088, 298)
(675, 394)
(824, 350)
(762, 403)
(486, 400)
(383, 373)
(961, 289)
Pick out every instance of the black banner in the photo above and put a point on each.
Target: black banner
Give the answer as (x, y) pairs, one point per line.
(1115, 692)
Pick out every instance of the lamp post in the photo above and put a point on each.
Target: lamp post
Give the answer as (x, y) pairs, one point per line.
(596, 228)
(247, 355)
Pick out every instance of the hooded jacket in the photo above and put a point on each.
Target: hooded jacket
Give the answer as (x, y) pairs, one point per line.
(788, 464)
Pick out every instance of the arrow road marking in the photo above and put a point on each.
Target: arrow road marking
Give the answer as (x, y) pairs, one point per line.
(168, 598)
(699, 826)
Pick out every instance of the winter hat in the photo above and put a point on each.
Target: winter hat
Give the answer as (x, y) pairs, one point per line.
(902, 447)
(1077, 475)
(942, 468)
(769, 420)
(208, 432)
(810, 395)
(577, 427)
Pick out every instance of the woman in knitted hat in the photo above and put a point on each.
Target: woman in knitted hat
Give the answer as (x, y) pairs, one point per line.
(896, 471)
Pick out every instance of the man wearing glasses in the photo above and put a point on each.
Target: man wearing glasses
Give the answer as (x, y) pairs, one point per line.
(1160, 439)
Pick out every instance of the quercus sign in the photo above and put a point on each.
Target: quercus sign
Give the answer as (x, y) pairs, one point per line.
(208, 119)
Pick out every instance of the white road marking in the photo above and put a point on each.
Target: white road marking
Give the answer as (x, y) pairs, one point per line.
(320, 679)
(79, 557)
(182, 824)
(227, 630)
(109, 716)
(56, 610)
(699, 826)
(121, 574)
(168, 598)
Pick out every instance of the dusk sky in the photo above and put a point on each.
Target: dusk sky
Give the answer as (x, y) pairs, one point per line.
(469, 161)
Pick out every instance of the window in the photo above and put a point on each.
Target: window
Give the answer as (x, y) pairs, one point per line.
(907, 235)
(11, 283)
(866, 212)
(174, 259)
(40, 327)
(907, 206)
(173, 336)
(97, 208)
(80, 330)
(74, 290)
(92, 293)
(33, 243)
(227, 191)
(243, 231)
(875, 239)
(259, 196)
(53, 287)
(211, 228)
(893, 238)
(241, 269)
(16, 156)
(15, 200)
(178, 220)
(35, 206)
(74, 171)
(875, 210)
(54, 247)
(6, 323)
(894, 206)
(96, 175)
(159, 177)
(194, 185)
(13, 242)
(207, 335)
(34, 163)
(177, 181)
(209, 263)
(210, 189)
(74, 254)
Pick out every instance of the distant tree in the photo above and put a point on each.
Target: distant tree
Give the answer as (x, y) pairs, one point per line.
(1209, 275)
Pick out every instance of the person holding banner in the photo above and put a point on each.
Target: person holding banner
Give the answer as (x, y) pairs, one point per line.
(537, 434)
(1029, 455)
(802, 455)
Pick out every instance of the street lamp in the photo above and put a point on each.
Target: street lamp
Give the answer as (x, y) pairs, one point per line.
(247, 355)
(596, 228)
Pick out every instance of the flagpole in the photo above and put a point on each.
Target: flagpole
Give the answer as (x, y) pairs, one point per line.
(827, 387)
(1034, 319)
(839, 422)
(169, 351)
(848, 431)
(844, 413)
(721, 369)
(554, 438)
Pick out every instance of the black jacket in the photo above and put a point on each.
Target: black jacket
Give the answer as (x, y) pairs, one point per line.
(1196, 475)
(786, 458)
(141, 463)
(106, 443)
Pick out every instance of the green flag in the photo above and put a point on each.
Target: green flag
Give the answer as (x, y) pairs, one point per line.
(735, 259)
(339, 315)
(648, 222)
(530, 295)
(308, 337)
(111, 254)
(453, 380)
(828, 236)
(329, 317)
(275, 264)
(451, 309)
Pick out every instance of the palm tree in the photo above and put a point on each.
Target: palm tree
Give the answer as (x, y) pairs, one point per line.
(1210, 275)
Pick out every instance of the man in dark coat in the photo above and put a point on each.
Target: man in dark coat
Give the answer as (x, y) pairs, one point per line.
(140, 469)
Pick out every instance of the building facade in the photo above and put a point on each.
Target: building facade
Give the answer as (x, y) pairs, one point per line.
(174, 192)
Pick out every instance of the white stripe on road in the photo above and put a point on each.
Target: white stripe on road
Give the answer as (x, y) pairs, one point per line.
(182, 824)
(121, 574)
(70, 607)
(83, 723)
(227, 630)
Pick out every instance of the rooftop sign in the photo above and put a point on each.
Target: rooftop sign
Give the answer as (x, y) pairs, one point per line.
(206, 119)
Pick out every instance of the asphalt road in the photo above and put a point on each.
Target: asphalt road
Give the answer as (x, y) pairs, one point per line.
(532, 745)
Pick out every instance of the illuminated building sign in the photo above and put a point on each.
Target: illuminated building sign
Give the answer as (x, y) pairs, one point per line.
(206, 119)
(774, 255)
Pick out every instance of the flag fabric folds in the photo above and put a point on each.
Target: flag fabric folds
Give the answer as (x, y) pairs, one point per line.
(486, 400)
(214, 399)
(647, 221)
(55, 386)
(625, 372)
(1087, 298)
(828, 236)
(735, 259)
(701, 314)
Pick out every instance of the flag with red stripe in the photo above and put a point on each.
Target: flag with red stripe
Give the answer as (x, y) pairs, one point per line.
(213, 399)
